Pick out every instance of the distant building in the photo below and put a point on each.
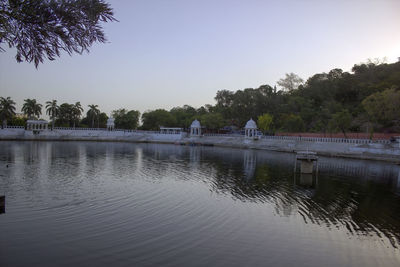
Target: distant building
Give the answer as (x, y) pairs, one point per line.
(195, 128)
(110, 124)
(250, 129)
(20, 116)
(170, 130)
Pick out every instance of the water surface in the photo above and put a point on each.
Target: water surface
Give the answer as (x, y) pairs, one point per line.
(120, 204)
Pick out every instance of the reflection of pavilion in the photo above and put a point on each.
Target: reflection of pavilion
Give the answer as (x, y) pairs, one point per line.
(194, 154)
(249, 163)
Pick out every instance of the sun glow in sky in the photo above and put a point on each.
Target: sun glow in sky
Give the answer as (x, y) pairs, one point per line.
(163, 54)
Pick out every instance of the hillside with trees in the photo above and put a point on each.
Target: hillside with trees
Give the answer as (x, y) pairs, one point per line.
(366, 100)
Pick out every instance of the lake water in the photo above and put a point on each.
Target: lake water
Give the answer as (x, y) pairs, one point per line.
(121, 204)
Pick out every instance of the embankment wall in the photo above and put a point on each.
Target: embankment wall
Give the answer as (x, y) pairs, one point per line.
(361, 149)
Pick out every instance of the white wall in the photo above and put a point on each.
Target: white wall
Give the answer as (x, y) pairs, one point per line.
(379, 150)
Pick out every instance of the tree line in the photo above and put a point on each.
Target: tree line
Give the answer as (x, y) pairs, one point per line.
(65, 115)
(367, 99)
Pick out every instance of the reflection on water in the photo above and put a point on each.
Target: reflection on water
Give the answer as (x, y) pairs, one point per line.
(121, 204)
(2, 204)
(307, 180)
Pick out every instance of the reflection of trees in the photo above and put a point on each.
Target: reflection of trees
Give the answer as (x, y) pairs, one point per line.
(360, 206)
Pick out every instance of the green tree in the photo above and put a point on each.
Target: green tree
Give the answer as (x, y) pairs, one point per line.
(265, 122)
(183, 115)
(7, 110)
(290, 82)
(152, 120)
(76, 112)
(225, 100)
(384, 107)
(65, 115)
(18, 121)
(102, 121)
(52, 110)
(342, 121)
(292, 123)
(125, 119)
(43, 28)
(32, 109)
(93, 113)
(213, 121)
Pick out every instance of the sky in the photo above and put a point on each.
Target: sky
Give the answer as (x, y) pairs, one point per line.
(168, 53)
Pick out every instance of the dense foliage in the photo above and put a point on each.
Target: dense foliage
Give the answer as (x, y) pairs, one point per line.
(365, 99)
(43, 28)
(126, 119)
(7, 110)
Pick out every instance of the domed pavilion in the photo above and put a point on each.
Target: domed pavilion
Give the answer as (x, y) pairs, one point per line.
(195, 128)
(250, 129)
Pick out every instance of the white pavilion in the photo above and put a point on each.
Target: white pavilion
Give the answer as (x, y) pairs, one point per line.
(250, 129)
(110, 124)
(195, 128)
(37, 125)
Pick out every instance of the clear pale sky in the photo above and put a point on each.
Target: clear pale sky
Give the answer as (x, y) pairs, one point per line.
(169, 53)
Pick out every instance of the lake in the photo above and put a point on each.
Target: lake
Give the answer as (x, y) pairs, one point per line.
(123, 204)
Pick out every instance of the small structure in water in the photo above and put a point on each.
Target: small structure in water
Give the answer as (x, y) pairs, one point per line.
(195, 128)
(250, 130)
(307, 159)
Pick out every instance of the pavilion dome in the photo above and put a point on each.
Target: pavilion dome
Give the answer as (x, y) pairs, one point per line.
(251, 124)
(195, 124)
(110, 121)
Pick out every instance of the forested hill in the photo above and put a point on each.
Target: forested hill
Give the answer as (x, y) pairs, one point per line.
(365, 99)
(369, 96)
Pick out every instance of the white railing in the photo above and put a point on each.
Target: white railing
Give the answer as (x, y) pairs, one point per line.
(13, 127)
(310, 139)
(328, 139)
(114, 130)
(80, 129)
(224, 135)
(267, 137)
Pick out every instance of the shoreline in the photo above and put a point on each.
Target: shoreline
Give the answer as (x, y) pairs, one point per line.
(373, 151)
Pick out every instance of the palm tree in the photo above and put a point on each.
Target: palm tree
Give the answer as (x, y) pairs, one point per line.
(31, 108)
(52, 109)
(7, 109)
(93, 113)
(77, 111)
(65, 114)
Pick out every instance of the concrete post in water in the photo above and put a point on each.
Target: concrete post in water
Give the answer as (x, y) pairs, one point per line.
(2, 204)
(307, 159)
(306, 179)
(306, 166)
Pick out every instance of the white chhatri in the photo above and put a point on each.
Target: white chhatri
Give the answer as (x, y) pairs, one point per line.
(195, 128)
